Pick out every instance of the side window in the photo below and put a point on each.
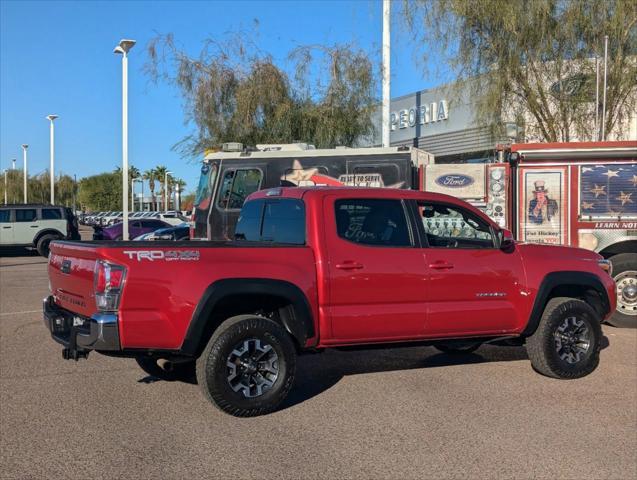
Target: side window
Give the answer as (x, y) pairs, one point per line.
(373, 222)
(452, 227)
(5, 216)
(51, 214)
(383, 175)
(25, 215)
(236, 185)
(249, 223)
(273, 221)
(284, 222)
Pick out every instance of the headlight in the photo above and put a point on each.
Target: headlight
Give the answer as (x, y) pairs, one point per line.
(606, 266)
(588, 241)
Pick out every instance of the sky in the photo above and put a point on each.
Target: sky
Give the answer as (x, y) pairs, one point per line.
(57, 58)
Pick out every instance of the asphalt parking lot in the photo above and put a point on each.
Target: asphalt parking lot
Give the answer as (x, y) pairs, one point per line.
(401, 413)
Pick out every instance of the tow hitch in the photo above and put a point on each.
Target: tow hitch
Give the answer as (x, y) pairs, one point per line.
(73, 354)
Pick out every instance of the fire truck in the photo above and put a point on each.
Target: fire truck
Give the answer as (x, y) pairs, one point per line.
(578, 194)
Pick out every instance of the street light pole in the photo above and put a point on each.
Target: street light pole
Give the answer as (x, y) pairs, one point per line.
(123, 48)
(166, 190)
(386, 72)
(24, 159)
(52, 154)
(5, 187)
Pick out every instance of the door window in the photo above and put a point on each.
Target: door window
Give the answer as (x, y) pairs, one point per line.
(25, 215)
(274, 221)
(51, 214)
(452, 227)
(373, 222)
(237, 185)
(5, 216)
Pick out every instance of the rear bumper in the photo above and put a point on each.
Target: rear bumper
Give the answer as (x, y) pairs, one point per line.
(75, 332)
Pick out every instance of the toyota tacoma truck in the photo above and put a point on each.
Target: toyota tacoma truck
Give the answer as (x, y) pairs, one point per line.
(320, 267)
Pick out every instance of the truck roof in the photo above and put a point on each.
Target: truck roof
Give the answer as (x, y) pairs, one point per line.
(374, 192)
(301, 152)
(622, 150)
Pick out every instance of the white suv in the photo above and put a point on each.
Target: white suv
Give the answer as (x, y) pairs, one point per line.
(36, 226)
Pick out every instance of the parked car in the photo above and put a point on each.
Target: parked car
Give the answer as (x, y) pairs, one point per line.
(136, 227)
(178, 233)
(312, 268)
(174, 218)
(36, 225)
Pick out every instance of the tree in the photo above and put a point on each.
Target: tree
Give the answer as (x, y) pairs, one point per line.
(160, 175)
(38, 188)
(150, 176)
(102, 192)
(234, 92)
(534, 61)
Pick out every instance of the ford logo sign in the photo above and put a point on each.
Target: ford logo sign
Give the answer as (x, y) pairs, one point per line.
(454, 180)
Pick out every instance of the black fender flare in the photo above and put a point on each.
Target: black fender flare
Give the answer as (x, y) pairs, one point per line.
(300, 325)
(556, 279)
(47, 231)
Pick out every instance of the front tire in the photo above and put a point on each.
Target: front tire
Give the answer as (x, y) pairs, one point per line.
(247, 368)
(567, 341)
(625, 276)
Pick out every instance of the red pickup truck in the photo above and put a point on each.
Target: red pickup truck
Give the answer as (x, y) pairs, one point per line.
(312, 268)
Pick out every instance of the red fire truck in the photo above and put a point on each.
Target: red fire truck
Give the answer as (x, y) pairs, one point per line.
(580, 194)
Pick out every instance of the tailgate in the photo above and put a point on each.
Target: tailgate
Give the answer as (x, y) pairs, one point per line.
(71, 267)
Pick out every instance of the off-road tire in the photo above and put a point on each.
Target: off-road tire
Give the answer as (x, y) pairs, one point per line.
(541, 345)
(170, 371)
(457, 349)
(43, 244)
(212, 365)
(624, 262)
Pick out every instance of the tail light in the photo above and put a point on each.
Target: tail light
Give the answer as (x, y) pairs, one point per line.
(109, 283)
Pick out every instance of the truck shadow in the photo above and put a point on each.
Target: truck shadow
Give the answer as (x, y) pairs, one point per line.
(18, 252)
(318, 373)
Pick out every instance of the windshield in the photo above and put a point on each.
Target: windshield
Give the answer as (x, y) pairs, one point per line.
(203, 199)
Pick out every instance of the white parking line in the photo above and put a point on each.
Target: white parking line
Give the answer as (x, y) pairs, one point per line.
(19, 313)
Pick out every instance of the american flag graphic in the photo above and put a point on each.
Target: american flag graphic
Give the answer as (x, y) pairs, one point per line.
(608, 190)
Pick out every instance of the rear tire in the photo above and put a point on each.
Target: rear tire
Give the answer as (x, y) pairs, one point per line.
(625, 276)
(247, 368)
(43, 244)
(567, 341)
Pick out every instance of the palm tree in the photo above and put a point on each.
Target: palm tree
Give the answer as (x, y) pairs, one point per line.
(151, 177)
(160, 175)
(133, 173)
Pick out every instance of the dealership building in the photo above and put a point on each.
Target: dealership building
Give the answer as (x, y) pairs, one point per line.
(442, 122)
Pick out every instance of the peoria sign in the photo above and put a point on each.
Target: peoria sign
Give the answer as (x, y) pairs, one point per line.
(419, 115)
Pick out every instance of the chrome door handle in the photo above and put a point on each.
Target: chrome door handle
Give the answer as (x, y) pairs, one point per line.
(349, 266)
(440, 265)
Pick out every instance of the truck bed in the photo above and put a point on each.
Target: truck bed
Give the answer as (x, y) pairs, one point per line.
(164, 281)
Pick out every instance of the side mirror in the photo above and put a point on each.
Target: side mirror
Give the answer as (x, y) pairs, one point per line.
(506, 239)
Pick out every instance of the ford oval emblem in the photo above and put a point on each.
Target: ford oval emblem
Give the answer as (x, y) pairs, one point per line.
(456, 180)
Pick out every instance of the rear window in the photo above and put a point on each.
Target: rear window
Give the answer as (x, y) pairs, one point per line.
(25, 215)
(51, 214)
(5, 215)
(273, 221)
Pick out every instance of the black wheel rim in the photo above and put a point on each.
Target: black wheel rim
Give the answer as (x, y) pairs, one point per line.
(252, 367)
(572, 339)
